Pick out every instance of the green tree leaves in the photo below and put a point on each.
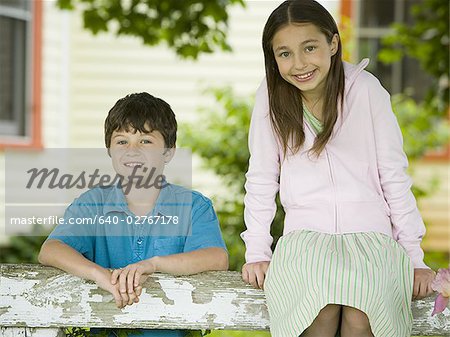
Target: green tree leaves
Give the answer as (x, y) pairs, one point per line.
(428, 41)
(189, 27)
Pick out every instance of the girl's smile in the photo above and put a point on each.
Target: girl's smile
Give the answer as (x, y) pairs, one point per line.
(304, 77)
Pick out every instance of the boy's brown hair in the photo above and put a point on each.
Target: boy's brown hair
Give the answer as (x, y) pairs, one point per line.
(142, 112)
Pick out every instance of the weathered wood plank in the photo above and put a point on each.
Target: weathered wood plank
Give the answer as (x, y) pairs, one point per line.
(31, 332)
(37, 296)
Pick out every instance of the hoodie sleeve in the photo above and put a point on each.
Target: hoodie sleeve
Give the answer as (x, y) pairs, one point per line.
(408, 227)
(261, 181)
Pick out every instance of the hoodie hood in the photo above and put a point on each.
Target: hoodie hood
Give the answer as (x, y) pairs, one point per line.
(352, 71)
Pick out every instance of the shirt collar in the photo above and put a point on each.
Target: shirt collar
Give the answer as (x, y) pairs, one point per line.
(115, 201)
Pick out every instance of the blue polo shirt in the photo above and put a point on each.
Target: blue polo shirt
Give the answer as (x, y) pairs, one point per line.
(100, 226)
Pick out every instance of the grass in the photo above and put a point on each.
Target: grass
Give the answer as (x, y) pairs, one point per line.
(226, 333)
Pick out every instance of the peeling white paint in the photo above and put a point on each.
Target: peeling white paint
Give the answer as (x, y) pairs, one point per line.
(38, 296)
(31, 332)
(184, 309)
(23, 300)
(21, 308)
(15, 287)
(440, 321)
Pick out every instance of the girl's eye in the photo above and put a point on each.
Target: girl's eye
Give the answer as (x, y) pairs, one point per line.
(284, 54)
(310, 49)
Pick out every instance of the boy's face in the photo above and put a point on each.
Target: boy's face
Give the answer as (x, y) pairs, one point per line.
(135, 153)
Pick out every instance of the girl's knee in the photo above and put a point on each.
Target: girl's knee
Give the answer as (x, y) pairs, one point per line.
(355, 319)
(329, 314)
(326, 323)
(331, 310)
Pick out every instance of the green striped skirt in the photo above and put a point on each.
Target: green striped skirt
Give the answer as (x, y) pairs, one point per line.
(368, 271)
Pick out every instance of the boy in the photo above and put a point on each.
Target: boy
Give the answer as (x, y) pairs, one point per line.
(137, 228)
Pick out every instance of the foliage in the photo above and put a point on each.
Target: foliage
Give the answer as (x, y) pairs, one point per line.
(190, 27)
(221, 142)
(103, 332)
(422, 129)
(106, 332)
(24, 249)
(436, 260)
(425, 124)
(347, 35)
(219, 333)
(426, 40)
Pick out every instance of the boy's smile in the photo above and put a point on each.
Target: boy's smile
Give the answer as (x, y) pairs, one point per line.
(134, 164)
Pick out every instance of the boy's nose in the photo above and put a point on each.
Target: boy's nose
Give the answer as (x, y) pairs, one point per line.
(132, 149)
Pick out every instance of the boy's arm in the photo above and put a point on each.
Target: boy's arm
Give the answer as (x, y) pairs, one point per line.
(204, 250)
(60, 255)
(197, 261)
(131, 278)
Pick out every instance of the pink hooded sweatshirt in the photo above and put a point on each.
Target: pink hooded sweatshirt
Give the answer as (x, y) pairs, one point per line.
(358, 183)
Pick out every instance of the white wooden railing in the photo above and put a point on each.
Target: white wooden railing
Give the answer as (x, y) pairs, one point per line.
(39, 301)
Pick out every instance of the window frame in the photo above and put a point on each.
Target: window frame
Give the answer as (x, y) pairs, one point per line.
(32, 81)
(352, 9)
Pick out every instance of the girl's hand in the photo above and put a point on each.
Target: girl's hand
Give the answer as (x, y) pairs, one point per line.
(130, 279)
(422, 283)
(102, 279)
(255, 273)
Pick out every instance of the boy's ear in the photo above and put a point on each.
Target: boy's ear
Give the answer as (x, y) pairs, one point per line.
(168, 155)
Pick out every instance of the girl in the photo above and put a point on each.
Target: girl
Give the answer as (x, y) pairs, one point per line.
(323, 134)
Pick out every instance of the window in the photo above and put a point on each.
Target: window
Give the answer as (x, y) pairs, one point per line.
(373, 21)
(20, 30)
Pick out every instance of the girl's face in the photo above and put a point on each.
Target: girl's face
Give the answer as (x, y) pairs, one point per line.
(303, 56)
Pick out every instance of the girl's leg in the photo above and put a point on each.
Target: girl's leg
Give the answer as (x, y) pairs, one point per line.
(326, 323)
(355, 323)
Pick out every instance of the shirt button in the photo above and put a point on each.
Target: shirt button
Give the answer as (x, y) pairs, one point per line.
(139, 241)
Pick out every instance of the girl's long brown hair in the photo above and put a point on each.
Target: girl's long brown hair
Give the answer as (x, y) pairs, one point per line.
(285, 101)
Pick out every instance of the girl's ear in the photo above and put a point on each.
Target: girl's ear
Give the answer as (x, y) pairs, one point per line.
(334, 45)
(168, 155)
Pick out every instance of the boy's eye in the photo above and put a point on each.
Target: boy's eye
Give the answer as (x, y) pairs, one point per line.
(121, 142)
(146, 141)
(310, 49)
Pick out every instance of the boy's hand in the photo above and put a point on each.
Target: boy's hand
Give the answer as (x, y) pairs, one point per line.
(102, 279)
(422, 283)
(255, 273)
(130, 279)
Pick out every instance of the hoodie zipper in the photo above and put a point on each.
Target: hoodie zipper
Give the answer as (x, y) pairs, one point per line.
(334, 191)
(331, 177)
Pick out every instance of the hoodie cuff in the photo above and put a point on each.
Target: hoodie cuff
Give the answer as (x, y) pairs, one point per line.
(258, 248)
(416, 254)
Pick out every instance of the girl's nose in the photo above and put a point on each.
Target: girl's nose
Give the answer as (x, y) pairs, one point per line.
(300, 62)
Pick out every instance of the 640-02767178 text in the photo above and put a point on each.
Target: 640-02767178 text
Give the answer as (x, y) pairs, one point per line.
(102, 219)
